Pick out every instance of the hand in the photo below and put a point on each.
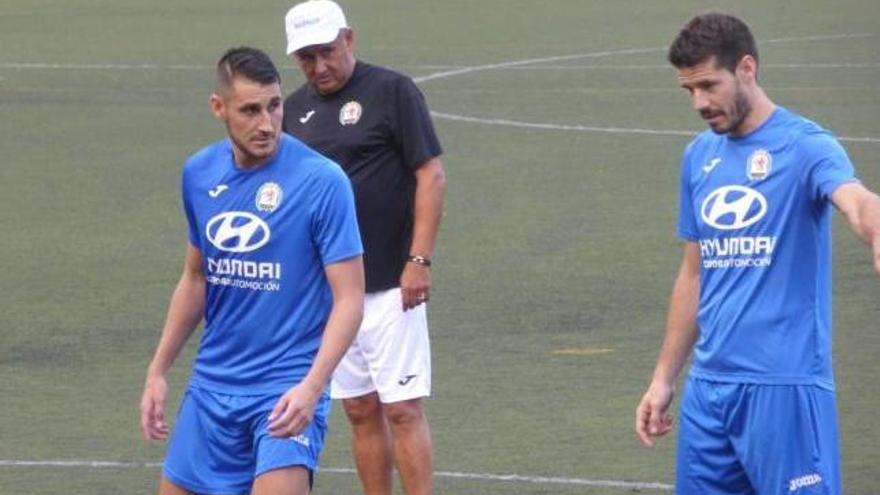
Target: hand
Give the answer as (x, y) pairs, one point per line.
(652, 414)
(153, 425)
(293, 412)
(415, 285)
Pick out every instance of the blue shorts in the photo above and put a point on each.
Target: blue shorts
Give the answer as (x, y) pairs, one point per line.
(740, 438)
(221, 443)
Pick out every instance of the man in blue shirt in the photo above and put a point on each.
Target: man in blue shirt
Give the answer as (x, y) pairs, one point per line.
(274, 267)
(753, 293)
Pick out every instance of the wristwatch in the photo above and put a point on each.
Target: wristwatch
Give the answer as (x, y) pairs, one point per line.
(419, 260)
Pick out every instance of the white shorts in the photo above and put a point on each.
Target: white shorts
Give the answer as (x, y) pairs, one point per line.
(390, 355)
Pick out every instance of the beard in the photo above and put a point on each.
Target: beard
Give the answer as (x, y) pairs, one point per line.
(248, 153)
(737, 113)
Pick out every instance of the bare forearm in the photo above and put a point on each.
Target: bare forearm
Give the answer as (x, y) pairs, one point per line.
(346, 280)
(681, 326)
(861, 208)
(430, 190)
(681, 333)
(342, 326)
(184, 313)
(867, 225)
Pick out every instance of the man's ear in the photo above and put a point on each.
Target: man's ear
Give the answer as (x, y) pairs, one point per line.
(348, 35)
(748, 68)
(218, 107)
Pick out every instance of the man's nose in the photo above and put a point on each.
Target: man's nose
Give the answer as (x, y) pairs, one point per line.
(265, 122)
(320, 65)
(699, 100)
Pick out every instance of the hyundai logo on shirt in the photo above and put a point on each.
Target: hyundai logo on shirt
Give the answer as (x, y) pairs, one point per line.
(237, 232)
(733, 207)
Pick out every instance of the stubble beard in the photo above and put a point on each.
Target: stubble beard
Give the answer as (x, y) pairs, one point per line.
(250, 154)
(741, 109)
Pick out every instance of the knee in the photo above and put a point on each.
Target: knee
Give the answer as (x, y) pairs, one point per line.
(363, 410)
(405, 413)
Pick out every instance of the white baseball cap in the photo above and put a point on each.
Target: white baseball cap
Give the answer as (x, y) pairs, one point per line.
(315, 22)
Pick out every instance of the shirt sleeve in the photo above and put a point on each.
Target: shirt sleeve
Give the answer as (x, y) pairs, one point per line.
(828, 166)
(192, 225)
(334, 221)
(414, 132)
(687, 222)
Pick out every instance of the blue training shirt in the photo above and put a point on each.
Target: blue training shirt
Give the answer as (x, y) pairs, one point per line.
(759, 207)
(265, 236)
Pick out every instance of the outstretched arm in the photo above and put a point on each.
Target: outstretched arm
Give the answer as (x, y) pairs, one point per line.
(861, 208)
(652, 414)
(294, 410)
(184, 313)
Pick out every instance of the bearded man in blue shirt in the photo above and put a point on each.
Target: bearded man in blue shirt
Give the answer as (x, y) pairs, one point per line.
(752, 299)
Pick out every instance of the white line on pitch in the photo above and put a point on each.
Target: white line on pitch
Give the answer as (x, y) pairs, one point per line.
(182, 67)
(651, 67)
(632, 91)
(631, 485)
(607, 130)
(608, 53)
(514, 63)
(458, 70)
(87, 464)
(560, 127)
(40, 65)
(440, 474)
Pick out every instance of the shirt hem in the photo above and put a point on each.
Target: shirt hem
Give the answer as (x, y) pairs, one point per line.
(239, 390)
(763, 379)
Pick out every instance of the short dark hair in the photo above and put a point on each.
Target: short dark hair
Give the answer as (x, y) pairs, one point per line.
(712, 34)
(247, 62)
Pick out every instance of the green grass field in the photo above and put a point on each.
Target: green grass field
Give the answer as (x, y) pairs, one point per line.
(559, 230)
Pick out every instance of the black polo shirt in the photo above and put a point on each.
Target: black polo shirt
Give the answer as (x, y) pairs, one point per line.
(378, 128)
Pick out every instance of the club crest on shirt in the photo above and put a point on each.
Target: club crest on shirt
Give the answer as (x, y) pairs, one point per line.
(269, 197)
(759, 165)
(350, 113)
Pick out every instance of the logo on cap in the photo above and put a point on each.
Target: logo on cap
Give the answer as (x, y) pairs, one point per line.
(301, 23)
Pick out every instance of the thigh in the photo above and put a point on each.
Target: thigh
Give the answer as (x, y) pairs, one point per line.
(210, 450)
(396, 346)
(706, 462)
(295, 480)
(787, 438)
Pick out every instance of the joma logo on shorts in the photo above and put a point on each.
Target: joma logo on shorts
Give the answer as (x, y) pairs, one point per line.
(808, 480)
(301, 439)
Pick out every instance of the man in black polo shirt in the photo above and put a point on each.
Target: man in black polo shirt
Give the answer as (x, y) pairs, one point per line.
(375, 123)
